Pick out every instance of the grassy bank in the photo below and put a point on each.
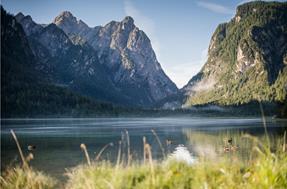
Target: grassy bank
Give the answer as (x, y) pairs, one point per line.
(20, 178)
(265, 167)
(265, 172)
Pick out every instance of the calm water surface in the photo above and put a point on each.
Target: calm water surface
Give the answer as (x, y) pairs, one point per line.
(58, 141)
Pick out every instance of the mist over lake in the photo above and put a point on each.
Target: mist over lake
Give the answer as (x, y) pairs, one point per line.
(58, 141)
(143, 94)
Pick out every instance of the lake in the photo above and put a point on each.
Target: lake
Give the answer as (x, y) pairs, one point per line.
(58, 141)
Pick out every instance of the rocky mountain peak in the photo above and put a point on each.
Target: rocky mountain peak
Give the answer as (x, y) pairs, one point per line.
(82, 23)
(19, 16)
(29, 26)
(69, 23)
(127, 24)
(65, 16)
(120, 47)
(128, 20)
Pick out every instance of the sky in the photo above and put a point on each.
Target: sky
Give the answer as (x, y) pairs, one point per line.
(179, 30)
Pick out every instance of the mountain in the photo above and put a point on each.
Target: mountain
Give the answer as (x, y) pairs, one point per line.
(127, 52)
(26, 91)
(70, 65)
(247, 59)
(114, 63)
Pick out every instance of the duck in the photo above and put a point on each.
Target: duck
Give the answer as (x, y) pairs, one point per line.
(168, 142)
(234, 148)
(226, 149)
(31, 147)
(229, 141)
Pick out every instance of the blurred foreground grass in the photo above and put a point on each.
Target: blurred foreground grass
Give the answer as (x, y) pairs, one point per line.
(265, 167)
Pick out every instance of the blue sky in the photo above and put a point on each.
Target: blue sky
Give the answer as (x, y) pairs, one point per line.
(180, 30)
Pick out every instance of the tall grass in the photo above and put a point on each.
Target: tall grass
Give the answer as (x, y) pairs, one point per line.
(265, 167)
(266, 170)
(19, 178)
(25, 177)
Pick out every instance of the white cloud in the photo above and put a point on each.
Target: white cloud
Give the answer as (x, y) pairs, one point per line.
(183, 72)
(144, 23)
(246, 1)
(217, 8)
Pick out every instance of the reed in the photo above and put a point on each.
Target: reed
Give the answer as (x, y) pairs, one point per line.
(284, 142)
(144, 150)
(84, 148)
(266, 167)
(264, 123)
(149, 154)
(119, 154)
(25, 177)
(123, 139)
(265, 170)
(102, 150)
(19, 178)
(129, 148)
(159, 143)
(24, 162)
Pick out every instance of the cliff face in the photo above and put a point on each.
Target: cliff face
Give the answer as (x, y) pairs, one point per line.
(127, 53)
(247, 59)
(67, 64)
(26, 87)
(114, 63)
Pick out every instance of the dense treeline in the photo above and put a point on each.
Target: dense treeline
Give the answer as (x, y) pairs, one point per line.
(30, 100)
(259, 30)
(25, 92)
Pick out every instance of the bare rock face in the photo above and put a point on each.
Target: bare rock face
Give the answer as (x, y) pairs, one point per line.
(54, 39)
(28, 24)
(243, 61)
(127, 52)
(70, 63)
(70, 25)
(114, 62)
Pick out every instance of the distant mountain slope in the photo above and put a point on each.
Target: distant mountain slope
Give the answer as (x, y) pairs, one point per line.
(75, 66)
(127, 52)
(115, 63)
(26, 91)
(247, 59)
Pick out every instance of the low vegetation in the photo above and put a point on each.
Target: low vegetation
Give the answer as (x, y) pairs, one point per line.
(264, 166)
(266, 171)
(19, 178)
